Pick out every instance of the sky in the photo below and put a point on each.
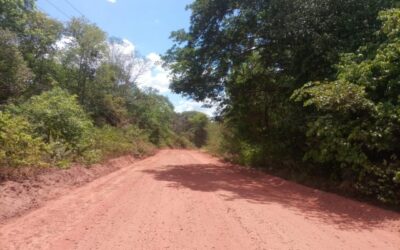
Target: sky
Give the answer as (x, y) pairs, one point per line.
(145, 26)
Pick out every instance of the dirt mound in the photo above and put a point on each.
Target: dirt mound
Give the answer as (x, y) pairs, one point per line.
(17, 197)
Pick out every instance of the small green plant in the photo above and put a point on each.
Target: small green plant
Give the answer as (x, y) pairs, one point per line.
(57, 117)
(111, 142)
(397, 177)
(19, 147)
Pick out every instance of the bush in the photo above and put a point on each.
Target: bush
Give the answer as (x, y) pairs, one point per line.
(56, 124)
(59, 119)
(14, 73)
(111, 142)
(180, 141)
(356, 123)
(18, 145)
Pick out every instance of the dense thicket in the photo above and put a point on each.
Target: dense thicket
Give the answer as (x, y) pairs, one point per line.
(253, 56)
(193, 126)
(68, 92)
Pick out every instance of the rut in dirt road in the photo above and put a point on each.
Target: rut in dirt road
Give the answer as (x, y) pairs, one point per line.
(182, 199)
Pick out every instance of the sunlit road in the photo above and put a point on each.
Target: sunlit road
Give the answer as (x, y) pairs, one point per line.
(181, 199)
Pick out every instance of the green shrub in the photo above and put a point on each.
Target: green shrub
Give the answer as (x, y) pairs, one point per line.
(250, 155)
(111, 142)
(14, 73)
(397, 177)
(59, 119)
(356, 123)
(18, 145)
(180, 141)
(223, 142)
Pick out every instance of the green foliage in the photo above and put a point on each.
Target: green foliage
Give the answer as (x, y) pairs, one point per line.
(18, 144)
(37, 44)
(57, 116)
(15, 76)
(358, 114)
(397, 177)
(302, 38)
(153, 113)
(254, 56)
(36, 35)
(215, 132)
(198, 124)
(181, 141)
(251, 55)
(112, 142)
(221, 141)
(82, 55)
(193, 126)
(13, 14)
(104, 102)
(250, 154)
(72, 94)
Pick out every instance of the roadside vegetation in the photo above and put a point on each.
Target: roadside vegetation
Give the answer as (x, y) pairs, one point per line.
(68, 93)
(307, 87)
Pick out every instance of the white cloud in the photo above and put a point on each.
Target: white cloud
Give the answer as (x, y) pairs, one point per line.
(190, 105)
(157, 76)
(154, 76)
(112, 1)
(155, 58)
(125, 47)
(128, 47)
(64, 42)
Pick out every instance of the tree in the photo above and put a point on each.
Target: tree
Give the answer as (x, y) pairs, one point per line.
(15, 76)
(38, 46)
(251, 55)
(105, 102)
(130, 64)
(193, 125)
(13, 14)
(57, 116)
(36, 35)
(114, 84)
(357, 127)
(85, 47)
(154, 113)
(19, 145)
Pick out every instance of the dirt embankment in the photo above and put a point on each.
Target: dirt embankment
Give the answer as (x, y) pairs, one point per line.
(18, 197)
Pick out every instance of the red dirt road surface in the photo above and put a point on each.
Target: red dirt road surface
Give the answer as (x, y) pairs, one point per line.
(181, 199)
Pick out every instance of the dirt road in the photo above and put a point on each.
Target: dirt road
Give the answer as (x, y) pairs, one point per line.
(188, 200)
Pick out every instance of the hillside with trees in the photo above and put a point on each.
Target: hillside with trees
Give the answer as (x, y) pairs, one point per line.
(68, 93)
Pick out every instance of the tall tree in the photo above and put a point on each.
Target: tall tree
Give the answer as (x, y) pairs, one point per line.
(192, 125)
(85, 47)
(38, 45)
(15, 76)
(14, 14)
(356, 127)
(251, 56)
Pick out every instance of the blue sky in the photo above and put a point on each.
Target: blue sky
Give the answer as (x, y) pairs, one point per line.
(144, 24)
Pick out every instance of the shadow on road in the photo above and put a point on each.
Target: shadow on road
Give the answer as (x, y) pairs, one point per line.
(237, 183)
